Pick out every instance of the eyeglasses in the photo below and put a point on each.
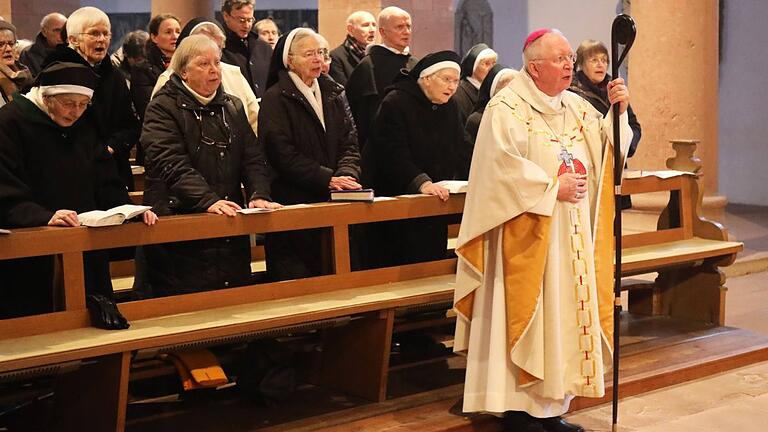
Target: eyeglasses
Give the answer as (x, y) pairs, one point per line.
(243, 20)
(95, 34)
(446, 81)
(4, 44)
(70, 105)
(321, 52)
(598, 60)
(209, 141)
(560, 60)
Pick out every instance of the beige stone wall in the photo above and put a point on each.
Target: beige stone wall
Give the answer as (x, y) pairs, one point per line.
(185, 9)
(673, 79)
(432, 21)
(5, 9)
(26, 15)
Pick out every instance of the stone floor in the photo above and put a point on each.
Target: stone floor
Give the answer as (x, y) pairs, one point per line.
(736, 400)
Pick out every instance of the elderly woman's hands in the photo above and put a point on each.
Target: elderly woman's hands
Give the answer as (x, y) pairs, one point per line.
(618, 93)
(64, 218)
(149, 218)
(343, 183)
(224, 207)
(430, 188)
(262, 203)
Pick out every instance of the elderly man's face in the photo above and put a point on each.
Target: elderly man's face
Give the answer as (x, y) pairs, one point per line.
(240, 20)
(65, 109)
(52, 30)
(441, 85)
(93, 42)
(363, 29)
(553, 71)
(7, 43)
(396, 32)
(203, 72)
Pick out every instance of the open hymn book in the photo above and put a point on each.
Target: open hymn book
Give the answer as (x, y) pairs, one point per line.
(454, 186)
(113, 216)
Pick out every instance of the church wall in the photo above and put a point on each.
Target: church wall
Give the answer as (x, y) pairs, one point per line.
(510, 26)
(743, 133)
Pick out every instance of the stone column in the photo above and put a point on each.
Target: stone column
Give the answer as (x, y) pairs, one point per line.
(185, 9)
(26, 15)
(432, 21)
(673, 77)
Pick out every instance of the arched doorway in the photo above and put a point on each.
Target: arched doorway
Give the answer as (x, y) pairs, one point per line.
(473, 24)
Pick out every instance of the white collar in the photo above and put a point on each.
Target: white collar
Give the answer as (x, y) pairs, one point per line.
(200, 98)
(474, 82)
(406, 51)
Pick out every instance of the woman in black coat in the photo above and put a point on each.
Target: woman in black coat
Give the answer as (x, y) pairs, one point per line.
(53, 166)
(89, 34)
(199, 148)
(311, 142)
(417, 141)
(164, 31)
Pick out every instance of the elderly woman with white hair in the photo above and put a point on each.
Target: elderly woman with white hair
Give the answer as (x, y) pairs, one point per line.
(88, 37)
(199, 149)
(417, 140)
(232, 80)
(52, 167)
(311, 142)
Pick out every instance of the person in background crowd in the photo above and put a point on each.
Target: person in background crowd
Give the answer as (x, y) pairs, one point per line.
(244, 48)
(311, 143)
(498, 77)
(267, 31)
(378, 69)
(132, 52)
(53, 166)
(232, 80)
(199, 150)
(416, 141)
(474, 68)
(14, 76)
(361, 33)
(21, 46)
(45, 42)
(89, 34)
(324, 47)
(164, 31)
(591, 82)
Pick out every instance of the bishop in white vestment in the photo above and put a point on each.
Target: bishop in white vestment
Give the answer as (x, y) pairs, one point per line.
(534, 283)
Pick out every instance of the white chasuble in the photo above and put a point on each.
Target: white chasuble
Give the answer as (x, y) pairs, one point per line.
(534, 302)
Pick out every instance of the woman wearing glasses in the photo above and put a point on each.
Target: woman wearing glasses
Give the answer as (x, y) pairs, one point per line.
(199, 149)
(590, 82)
(88, 38)
(14, 76)
(417, 140)
(311, 142)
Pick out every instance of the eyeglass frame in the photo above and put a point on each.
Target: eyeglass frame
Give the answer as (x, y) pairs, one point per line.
(446, 81)
(560, 60)
(599, 58)
(211, 142)
(11, 44)
(242, 20)
(97, 34)
(70, 105)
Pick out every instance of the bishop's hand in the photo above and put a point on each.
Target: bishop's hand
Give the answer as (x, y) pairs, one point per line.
(572, 187)
(618, 93)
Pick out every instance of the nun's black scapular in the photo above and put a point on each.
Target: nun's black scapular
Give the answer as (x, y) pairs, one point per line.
(467, 94)
(472, 124)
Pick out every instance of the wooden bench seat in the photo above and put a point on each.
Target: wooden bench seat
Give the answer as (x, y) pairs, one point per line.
(651, 258)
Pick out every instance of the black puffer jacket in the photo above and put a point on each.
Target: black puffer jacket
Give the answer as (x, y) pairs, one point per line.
(111, 109)
(195, 156)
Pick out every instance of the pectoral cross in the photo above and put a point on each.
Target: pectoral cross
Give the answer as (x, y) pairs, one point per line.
(566, 157)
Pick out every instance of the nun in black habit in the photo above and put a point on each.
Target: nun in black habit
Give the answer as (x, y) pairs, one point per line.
(498, 78)
(474, 68)
(311, 143)
(53, 165)
(417, 141)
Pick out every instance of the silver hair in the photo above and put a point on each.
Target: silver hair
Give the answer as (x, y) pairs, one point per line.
(389, 12)
(85, 17)
(533, 51)
(189, 48)
(300, 35)
(358, 14)
(49, 17)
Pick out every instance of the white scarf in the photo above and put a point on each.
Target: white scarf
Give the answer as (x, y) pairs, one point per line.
(474, 82)
(312, 94)
(200, 98)
(36, 97)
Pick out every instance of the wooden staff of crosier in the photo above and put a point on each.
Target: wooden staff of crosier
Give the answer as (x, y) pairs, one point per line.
(623, 33)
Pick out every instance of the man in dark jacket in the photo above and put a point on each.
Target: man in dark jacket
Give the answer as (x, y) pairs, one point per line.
(417, 141)
(45, 42)
(361, 33)
(244, 48)
(377, 70)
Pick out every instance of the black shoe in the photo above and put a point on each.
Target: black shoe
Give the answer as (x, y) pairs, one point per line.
(557, 424)
(521, 421)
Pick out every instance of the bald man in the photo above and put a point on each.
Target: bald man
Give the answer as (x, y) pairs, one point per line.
(45, 42)
(361, 33)
(378, 69)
